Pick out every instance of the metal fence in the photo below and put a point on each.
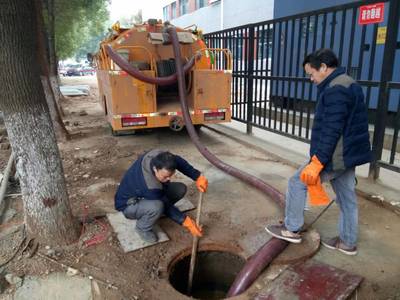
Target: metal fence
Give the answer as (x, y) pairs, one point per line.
(269, 86)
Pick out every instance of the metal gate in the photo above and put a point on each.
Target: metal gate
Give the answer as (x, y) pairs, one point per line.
(269, 87)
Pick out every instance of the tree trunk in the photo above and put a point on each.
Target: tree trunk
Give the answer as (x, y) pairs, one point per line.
(51, 38)
(59, 126)
(47, 211)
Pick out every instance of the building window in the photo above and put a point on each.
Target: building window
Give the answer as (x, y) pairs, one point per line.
(183, 7)
(173, 10)
(200, 3)
(165, 13)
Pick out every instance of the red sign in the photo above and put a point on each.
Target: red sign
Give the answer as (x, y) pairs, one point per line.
(369, 14)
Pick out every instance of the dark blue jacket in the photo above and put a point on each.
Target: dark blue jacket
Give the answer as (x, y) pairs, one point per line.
(140, 182)
(340, 137)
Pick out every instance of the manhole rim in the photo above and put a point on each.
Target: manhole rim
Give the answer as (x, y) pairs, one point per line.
(205, 247)
(210, 246)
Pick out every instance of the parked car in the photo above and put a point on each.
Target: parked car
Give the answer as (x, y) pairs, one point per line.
(80, 70)
(87, 70)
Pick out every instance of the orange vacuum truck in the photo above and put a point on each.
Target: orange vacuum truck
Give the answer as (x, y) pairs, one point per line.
(130, 103)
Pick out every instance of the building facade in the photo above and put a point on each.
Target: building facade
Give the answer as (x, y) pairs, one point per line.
(214, 15)
(284, 8)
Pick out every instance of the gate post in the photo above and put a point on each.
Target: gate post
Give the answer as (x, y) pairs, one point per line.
(250, 70)
(383, 98)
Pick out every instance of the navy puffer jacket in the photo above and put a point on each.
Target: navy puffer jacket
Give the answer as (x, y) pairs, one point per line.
(140, 181)
(340, 137)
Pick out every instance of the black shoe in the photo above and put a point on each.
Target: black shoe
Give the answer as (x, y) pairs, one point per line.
(147, 236)
(280, 232)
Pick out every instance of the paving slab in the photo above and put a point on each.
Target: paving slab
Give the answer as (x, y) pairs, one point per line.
(128, 237)
(311, 280)
(56, 286)
(184, 205)
(300, 252)
(250, 243)
(75, 90)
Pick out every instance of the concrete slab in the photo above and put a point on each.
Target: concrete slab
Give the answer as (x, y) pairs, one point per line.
(127, 236)
(300, 252)
(311, 280)
(56, 286)
(75, 90)
(184, 205)
(254, 241)
(292, 254)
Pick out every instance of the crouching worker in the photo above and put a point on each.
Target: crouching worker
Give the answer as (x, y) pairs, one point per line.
(146, 192)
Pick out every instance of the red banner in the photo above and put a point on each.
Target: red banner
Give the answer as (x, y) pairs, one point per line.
(369, 14)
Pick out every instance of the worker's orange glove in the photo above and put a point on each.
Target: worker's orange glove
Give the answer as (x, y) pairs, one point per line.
(202, 183)
(317, 194)
(310, 173)
(191, 225)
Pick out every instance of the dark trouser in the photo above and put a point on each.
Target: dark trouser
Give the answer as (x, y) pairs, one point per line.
(147, 212)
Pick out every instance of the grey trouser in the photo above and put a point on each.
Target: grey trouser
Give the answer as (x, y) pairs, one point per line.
(343, 184)
(147, 211)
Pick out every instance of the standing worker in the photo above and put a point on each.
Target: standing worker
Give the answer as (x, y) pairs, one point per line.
(146, 192)
(339, 143)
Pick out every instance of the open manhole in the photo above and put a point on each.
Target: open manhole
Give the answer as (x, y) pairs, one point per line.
(214, 273)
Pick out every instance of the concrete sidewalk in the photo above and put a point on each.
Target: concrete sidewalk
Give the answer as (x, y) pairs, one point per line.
(385, 191)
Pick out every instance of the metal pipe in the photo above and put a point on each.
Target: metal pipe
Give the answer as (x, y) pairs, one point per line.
(126, 66)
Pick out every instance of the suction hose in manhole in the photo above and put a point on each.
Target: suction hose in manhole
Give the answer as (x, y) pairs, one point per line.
(214, 273)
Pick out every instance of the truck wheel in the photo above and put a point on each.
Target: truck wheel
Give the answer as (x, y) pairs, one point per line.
(176, 123)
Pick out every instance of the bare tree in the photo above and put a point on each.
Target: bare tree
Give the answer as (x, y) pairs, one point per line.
(47, 211)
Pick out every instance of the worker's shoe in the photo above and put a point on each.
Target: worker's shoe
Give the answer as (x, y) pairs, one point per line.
(336, 244)
(147, 236)
(280, 232)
